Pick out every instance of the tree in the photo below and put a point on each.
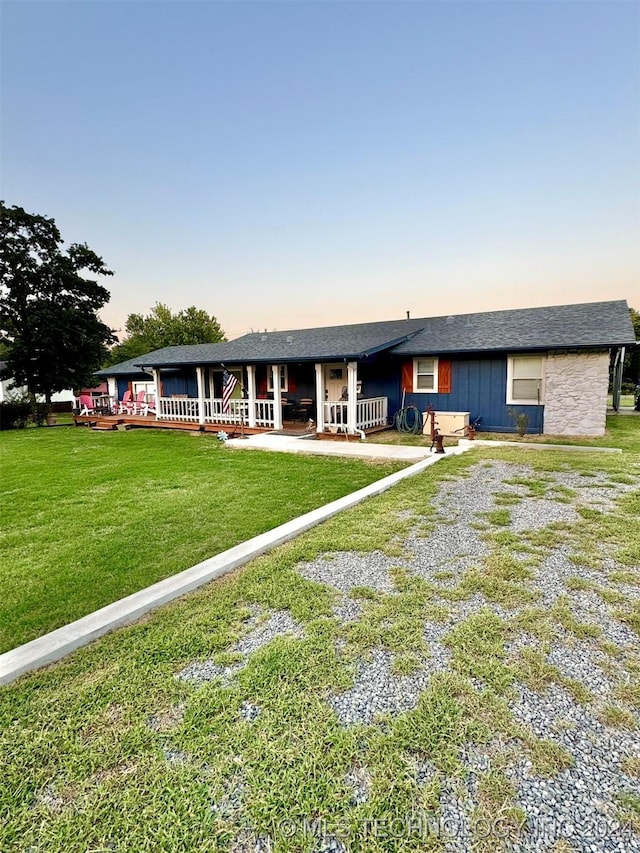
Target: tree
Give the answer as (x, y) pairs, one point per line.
(161, 328)
(631, 373)
(52, 335)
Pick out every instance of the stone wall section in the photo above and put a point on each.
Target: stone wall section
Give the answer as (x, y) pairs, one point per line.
(575, 395)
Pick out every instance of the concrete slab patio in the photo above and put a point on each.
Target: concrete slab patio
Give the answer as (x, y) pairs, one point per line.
(355, 448)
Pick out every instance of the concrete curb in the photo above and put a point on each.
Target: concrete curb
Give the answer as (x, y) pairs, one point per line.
(583, 448)
(59, 643)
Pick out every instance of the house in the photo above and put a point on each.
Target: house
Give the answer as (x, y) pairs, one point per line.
(126, 376)
(9, 391)
(550, 364)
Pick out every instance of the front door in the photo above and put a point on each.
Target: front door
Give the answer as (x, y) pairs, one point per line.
(335, 381)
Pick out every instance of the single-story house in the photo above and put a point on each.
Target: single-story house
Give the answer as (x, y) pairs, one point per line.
(550, 364)
(126, 376)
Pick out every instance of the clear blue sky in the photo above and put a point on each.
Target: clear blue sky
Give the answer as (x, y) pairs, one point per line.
(294, 164)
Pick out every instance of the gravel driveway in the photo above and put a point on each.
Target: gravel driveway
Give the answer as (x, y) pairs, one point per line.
(589, 660)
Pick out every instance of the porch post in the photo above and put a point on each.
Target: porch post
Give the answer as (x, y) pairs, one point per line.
(200, 381)
(352, 388)
(157, 387)
(319, 398)
(277, 397)
(251, 393)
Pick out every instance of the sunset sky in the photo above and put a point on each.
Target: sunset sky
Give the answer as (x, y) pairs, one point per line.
(291, 164)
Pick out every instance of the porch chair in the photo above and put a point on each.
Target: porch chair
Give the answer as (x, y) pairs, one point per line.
(303, 410)
(86, 404)
(138, 404)
(149, 405)
(125, 406)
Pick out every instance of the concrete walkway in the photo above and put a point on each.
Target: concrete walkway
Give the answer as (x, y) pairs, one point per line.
(355, 448)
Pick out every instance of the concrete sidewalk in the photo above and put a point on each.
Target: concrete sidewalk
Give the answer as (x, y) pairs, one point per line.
(355, 448)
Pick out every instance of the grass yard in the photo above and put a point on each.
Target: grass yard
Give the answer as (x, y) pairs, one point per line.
(622, 432)
(90, 517)
(499, 589)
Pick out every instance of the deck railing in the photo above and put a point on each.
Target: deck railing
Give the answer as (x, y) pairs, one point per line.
(187, 409)
(178, 409)
(370, 412)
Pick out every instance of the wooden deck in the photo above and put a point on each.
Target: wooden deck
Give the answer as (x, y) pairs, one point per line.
(112, 422)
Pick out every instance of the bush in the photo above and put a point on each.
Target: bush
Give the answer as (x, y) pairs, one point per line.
(520, 421)
(14, 415)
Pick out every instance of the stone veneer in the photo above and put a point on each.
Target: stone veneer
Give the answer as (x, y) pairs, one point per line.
(575, 393)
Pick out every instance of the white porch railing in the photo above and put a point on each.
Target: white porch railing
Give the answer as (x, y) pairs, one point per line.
(237, 412)
(187, 409)
(264, 413)
(178, 409)
(370, 412)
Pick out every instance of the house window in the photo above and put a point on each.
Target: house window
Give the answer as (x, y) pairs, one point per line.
(525, 379)
(148, 387)
(284, 378)
(425, 375)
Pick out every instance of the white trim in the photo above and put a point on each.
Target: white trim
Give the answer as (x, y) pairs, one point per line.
(284, 378)
(514, 401)
(435, 360)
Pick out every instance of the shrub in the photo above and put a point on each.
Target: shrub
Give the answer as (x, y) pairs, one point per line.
(520, 421)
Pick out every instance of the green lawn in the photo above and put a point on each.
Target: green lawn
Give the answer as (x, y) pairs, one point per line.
(108, 750)
(622, 431)
(89, 517)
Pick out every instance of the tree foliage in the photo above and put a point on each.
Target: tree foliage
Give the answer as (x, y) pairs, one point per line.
(631, 372)
(50, 331)
(162, 328)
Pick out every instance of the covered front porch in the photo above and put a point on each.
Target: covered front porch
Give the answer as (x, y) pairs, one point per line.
(325, 398)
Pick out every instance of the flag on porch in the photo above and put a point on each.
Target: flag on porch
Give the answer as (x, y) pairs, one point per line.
(229, 382)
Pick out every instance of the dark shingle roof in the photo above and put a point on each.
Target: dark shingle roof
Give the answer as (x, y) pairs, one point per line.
(123, 368)
(594, 324)
(328, 342)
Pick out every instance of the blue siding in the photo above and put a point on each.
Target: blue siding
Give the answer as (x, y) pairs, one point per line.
(179, 383)
(122, 385)
(478, 386)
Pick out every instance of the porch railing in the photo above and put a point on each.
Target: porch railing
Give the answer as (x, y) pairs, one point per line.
(178, 409)
(188, 409)
(370, 412)
(237, 412)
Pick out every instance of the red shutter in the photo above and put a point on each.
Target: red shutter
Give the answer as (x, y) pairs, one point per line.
(262, 385)
(444, 377)
(407, 375)
(292, 384)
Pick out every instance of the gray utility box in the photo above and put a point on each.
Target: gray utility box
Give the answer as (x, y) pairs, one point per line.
(447, 423)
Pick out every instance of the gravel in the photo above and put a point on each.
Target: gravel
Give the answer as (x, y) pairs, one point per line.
(577, 805)
(278, 624)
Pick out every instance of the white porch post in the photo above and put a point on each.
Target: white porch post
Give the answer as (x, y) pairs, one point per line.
(319, 398)
(251, 393)
(112, 390)
(352, 389)
(157, 387)
(200, 381)
(277, 397)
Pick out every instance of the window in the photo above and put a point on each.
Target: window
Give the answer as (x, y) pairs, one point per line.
(284, 378)
(425, 375)
(525, 379)
(148, 387)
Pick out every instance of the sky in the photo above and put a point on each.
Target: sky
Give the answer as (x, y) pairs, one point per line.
(295, 164)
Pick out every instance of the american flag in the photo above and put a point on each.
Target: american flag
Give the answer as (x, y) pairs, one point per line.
(229, 382)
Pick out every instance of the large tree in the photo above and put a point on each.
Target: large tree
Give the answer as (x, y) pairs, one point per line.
(49, 324)
(162, 328)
